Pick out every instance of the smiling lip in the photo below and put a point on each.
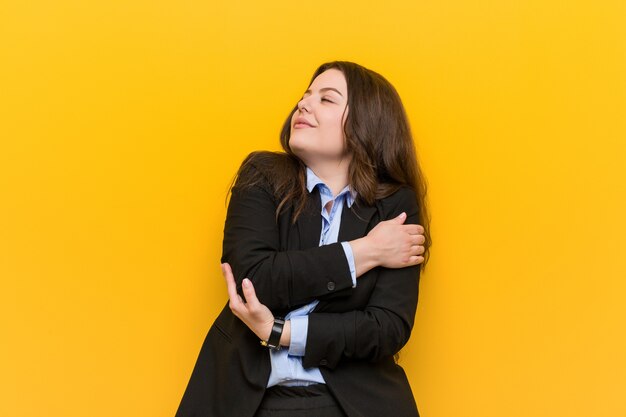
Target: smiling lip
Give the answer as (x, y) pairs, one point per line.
(301, 122)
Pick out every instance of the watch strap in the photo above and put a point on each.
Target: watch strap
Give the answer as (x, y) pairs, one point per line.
(273, 342)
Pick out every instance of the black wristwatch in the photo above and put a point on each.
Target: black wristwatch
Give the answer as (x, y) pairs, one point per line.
(277, 330)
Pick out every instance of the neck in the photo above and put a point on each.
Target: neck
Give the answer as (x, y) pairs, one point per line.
(334, 174)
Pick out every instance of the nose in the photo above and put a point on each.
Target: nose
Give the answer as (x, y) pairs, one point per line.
(302, 106)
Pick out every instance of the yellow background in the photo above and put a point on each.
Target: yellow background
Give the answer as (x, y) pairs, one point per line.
(122, 123)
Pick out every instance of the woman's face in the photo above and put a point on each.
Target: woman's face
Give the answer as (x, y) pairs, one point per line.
(320, 138)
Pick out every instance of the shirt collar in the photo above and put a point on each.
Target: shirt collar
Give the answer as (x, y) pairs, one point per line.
(313, 180)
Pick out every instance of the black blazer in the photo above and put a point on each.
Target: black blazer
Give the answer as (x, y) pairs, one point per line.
(353, 333)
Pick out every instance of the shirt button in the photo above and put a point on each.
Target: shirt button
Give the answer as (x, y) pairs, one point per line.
(323, 362)
(330, 285)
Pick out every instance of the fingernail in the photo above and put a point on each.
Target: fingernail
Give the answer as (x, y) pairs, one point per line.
(246, 282)
(402, 214)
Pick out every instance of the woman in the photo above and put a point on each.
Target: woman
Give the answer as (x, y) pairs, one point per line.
(325, 252)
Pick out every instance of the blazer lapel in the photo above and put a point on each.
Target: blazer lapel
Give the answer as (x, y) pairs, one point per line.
(354, 221)
(309, 223)
(354, 224)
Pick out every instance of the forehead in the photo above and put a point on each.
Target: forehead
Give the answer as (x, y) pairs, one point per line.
(330, 78)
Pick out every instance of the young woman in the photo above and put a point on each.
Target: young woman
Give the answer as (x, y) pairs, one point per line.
(322, 252)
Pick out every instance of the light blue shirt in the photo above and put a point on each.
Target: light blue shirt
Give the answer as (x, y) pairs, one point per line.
(287, 363)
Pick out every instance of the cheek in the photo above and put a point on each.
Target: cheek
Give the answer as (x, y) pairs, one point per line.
(334, 139)
(334, 123)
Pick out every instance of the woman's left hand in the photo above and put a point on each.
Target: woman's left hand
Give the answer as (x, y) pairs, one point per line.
(255, 315)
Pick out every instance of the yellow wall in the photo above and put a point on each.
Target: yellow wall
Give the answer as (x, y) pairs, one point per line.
(122, 123)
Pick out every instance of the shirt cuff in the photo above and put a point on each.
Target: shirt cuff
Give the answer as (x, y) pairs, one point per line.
(350, 256)
(299, 329)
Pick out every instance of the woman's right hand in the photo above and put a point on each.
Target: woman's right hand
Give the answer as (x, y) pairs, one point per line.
(391, 244)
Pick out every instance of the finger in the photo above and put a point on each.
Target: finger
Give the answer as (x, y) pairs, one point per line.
(413, 229)
(416, 260)
(417, 250)
(417, 240)
(235, 300)
(231, 286)
(250, 294)
(400, 219)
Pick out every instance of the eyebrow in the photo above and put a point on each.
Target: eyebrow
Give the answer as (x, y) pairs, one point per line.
(322, 90)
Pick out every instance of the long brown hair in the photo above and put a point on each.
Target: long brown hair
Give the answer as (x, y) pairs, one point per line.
(378, 134)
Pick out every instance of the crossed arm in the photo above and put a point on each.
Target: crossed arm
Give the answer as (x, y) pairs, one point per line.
(286, 278)
(388, 243)
(380, 329)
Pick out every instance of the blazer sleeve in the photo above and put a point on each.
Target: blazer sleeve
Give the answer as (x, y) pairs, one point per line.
(383, 326)
(282, 278)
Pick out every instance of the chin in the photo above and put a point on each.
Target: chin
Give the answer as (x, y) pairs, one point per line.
(300, 152)
(297, 145)
(297, 151)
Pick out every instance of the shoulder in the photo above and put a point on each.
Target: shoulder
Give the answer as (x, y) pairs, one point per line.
(268, 164)
(273, 172)
(404, 199)
(261, 163)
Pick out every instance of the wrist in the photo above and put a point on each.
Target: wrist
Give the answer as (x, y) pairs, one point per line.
(273, 340)
(366, 255)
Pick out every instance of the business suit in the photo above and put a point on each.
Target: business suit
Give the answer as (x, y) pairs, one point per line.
(353, 333)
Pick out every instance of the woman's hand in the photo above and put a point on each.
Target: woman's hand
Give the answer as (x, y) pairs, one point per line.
(255, 315)
(391, 244)
(398, 244)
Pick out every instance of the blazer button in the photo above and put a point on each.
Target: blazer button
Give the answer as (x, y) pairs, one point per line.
(323, 362)
(330, 286)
